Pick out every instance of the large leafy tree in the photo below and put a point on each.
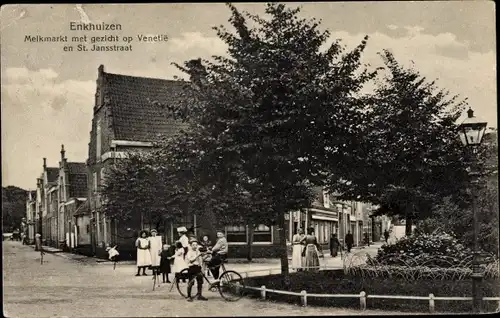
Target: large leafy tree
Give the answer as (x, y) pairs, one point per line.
(275, 110)
(13, 207)
(455, 217)
(410, 155)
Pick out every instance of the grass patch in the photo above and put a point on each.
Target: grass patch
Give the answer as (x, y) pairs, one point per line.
(336, 282)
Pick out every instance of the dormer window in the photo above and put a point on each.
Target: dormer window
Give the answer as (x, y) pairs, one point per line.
(326, 199)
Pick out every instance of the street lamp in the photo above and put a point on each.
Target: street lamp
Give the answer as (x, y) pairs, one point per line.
(471, 132)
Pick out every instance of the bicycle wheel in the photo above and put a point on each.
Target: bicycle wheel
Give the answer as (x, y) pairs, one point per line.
(182, 287)
(231, 286)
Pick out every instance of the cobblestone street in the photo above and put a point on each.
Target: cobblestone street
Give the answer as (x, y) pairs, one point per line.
(64, 287)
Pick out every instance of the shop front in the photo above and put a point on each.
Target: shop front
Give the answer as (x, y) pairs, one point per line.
(325, 223)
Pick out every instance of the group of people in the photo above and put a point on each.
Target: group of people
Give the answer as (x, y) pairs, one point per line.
(187, 252)
(335, 245)
(306, 250)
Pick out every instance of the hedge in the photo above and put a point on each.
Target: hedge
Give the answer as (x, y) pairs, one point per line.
(336, 282)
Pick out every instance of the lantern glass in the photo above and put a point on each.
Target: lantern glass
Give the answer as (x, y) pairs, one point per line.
(472, 130)
(472, 135)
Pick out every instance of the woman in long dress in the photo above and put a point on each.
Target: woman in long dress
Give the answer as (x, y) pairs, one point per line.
(143, 255)
(334, 245)
(297, 248)
(311, 255)
(155, 249)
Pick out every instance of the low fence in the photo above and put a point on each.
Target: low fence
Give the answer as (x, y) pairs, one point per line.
(362, 295)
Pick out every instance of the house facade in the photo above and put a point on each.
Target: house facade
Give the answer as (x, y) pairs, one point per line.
(31, 216)
(72, 193)
(47, 204)
(124, 119)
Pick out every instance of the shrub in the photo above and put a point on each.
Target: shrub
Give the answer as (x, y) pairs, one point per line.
(437, 250)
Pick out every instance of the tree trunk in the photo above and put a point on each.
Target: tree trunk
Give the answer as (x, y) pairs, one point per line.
(409, 225)
(409, 220)
(283, 249)
(251, 229)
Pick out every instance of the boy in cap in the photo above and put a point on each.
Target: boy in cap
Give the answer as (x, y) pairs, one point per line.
(193, 259)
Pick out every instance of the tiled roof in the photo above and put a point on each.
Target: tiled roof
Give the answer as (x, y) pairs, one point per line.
(78, 185)
(77, 167)
(83, 209)
(135, 116)
(52, 174)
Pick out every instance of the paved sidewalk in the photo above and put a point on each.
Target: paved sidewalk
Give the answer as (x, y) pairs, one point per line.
(257, 267)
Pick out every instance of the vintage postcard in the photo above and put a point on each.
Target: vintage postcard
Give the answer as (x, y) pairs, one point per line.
(249, 159)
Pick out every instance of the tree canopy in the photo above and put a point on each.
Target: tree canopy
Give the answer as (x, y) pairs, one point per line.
(410, 155)
(13, 207)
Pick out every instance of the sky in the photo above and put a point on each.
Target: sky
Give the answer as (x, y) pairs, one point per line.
(47, 93)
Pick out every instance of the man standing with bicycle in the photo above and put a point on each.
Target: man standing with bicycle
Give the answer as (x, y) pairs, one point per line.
(193, 258)
(219, 255)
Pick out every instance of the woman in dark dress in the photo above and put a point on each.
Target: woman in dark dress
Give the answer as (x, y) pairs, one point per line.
(166, 256)
(334, 245)
(311, 252)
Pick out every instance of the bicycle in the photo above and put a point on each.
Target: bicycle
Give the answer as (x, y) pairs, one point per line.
(230, 285)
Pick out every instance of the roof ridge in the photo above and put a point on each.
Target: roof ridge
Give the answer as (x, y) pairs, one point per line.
(145, 77)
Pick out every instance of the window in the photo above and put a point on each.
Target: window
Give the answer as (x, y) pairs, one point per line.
(262, 234)
(98, 140)
(236, 234)
(94, 179)
(326, 199)
(103, 175)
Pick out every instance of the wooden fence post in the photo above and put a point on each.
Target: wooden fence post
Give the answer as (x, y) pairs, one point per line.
(263, 292)
(303, 298)
(362, 300)
(431, 303)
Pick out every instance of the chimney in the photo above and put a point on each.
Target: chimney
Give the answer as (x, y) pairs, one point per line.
(44, 163)
(100, 70)
(62, 153)
(99, 94)
(197, 71)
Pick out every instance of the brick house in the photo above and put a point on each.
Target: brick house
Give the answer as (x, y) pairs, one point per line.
(124, 119)
(47, 204)
(72, 191)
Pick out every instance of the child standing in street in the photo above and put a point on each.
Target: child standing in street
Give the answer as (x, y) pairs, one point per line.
(193, 259)
(166, 256)
(179, 261)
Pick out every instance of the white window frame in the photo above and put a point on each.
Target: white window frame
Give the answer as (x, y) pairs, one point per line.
(326, 199)
(236, 243)
(94, 181)
(247, 235)
(103, 175)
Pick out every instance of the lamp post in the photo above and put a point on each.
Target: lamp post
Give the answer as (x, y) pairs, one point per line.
(471, 134)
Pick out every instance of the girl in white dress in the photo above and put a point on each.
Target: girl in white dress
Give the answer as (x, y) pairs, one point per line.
(143, 256)
(156, 246)
(179, 260)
